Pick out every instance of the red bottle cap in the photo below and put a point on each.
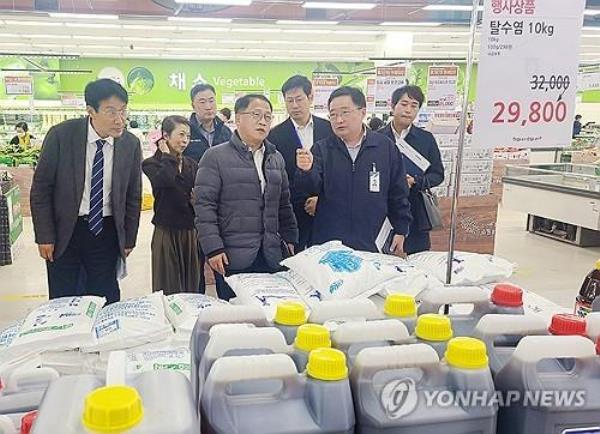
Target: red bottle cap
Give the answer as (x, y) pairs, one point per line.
(27, 422)
(566, 324)
(508, 295)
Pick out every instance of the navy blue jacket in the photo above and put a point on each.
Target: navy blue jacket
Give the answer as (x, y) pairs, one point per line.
(198, 143)
(347, 210)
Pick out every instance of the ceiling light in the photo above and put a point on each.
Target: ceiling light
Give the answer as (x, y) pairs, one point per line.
(255, 30)
(216, 2)
(591, 12)
(47, 36)
(83, 16)
(200, 19)
(32, 23)
(202, 41)
(411, 24)
(593, 29)
(340, 5)
(591, 36)
(141, 39)
(93, 25)
(358, 32)
(10, 35)
(456, 8)
(301, 22)
(201, 29)
(309, 31)
(96, 38)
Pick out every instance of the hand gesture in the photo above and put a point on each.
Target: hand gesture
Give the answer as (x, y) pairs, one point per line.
(162, 145)
(218, 263)
(397, 246)
(310, 206)
(304, 159)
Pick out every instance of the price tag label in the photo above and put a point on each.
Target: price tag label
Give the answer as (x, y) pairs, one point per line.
(526, 92)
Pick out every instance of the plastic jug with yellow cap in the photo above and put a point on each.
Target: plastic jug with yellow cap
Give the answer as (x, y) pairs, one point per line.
(402, 307)
(289, 315)
(406, 389)
(284, 401)
(219, 316)
(352, 338)
(559, 402)
(434, 330)
(157, 402)
(331, 313)
(309, 338)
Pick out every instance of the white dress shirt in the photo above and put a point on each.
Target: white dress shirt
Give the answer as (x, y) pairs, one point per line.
(259, 157)
(402, 134)
(90, 152)
(305, 133)
(354, 148)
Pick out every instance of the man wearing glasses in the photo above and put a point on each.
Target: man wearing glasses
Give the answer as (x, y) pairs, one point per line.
(300, 131)
(359, 177)
(244, 217)
(86, 195)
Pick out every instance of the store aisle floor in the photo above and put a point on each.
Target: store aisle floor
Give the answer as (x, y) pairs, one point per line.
(552, 269)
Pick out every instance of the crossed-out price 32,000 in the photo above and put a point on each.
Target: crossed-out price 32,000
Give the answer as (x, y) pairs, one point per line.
(538, 111)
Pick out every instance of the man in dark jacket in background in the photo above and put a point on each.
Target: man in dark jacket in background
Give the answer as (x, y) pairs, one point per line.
(421, 158)
(241, 199)
(300, 131)
(206, 130)
(359, 177)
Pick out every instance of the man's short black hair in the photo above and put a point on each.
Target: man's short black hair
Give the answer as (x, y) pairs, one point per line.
(577, 117)
(22, 125)
(201, 87)
(413, 92)
(134, 124)
(358, 98)
(225, 111)
(100, 90)
(243, 102)
(297, 82)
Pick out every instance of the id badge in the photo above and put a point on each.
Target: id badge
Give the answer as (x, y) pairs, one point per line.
(374, 181)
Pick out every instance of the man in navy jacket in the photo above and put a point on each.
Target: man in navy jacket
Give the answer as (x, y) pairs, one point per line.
(422, 161)
(359, 177)
(300, 130)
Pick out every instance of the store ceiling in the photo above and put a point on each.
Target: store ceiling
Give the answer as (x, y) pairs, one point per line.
(263, 30)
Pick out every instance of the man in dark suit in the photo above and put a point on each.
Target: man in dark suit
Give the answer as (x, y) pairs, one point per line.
(422, 160)
(300, 131)
(86, 195)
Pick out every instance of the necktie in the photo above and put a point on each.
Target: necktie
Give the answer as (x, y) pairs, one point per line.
(97, 190)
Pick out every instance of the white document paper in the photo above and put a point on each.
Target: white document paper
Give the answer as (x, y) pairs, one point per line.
(383, 235)
(413, 155)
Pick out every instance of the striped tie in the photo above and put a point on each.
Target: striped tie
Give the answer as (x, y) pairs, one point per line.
(97, 190)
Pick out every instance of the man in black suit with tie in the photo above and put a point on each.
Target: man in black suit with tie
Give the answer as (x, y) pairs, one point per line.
(300, 130)
(86, 195)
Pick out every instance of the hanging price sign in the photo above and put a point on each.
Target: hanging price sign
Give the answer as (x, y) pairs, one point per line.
(525, 91)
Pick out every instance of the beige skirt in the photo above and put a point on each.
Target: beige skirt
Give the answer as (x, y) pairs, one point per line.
(175, 260)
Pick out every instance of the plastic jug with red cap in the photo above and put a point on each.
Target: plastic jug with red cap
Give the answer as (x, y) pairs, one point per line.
(558, 402)
(563, 324)
(589, 292)
(507, 299)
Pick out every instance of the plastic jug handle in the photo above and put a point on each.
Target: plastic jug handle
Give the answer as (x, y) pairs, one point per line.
(7, 426)
(226, 339)
(28, 376)
(344, 309)
(396, 357)
(243, 368)
(116, 369)
(522, 325)
(532, 349)
(453, 295)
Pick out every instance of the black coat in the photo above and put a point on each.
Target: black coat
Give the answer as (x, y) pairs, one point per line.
(424, 143)
(347, 210)
(233, 215)
(172, 190)
(286, 140)
(198, 143)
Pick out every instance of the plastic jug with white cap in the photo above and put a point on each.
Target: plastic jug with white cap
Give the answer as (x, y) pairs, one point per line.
(502, 333)
(23, 389)
(219, 315)
(558, 402)
(433, 300)
(284, 401)
(309, 337)
(352, 338)
(289, 315)
(402, 307)
(406, 389)
(434, 330)
(331, 313)
(158, 402)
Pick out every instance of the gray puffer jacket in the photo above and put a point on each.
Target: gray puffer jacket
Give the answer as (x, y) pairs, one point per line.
(233, 215)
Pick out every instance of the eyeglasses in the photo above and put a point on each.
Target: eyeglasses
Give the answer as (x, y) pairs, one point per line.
(344, 114)
(257, 116)
(114, 114)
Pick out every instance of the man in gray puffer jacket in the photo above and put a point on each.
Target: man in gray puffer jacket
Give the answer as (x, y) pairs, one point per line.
(241, 199)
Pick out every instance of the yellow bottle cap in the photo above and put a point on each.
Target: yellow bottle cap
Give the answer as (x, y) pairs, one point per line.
(434, 327)
(597, 264)
(290, 313)
(312, 336)
(400, 306)
(112, 409)
(327, 364)
(466, 353)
